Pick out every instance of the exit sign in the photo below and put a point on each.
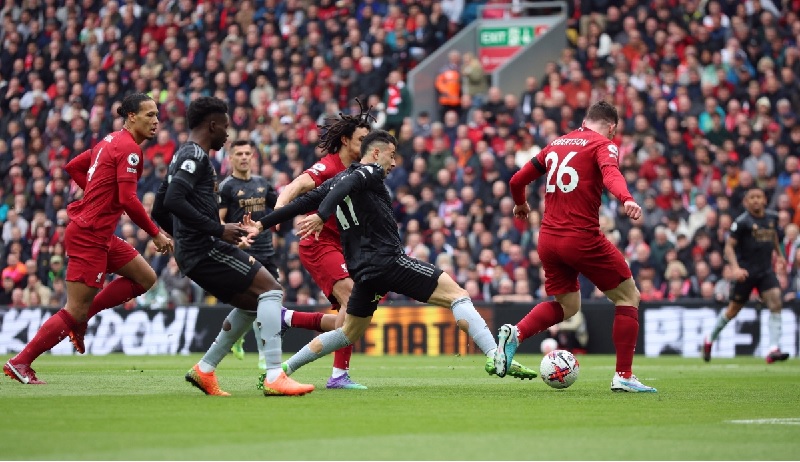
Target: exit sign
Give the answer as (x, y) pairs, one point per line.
(512, 36)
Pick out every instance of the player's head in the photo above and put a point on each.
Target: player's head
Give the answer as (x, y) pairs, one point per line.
(379, 147)
(141, 116)
(755, 201)
(241, 156)
(602, 117)
(207, 117)
(346, 132)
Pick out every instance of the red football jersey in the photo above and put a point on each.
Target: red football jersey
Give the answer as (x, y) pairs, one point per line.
(325, 169)
(116, 158)
(574, 181)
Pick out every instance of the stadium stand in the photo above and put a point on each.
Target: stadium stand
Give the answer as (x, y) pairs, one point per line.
(709, 92)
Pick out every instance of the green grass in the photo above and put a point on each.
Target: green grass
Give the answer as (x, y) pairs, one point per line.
(417, 408)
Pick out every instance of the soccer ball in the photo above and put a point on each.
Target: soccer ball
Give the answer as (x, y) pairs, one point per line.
(548, 345)
(559, 369)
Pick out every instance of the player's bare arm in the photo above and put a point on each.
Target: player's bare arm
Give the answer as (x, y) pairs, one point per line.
(739, 274)
(300, 185)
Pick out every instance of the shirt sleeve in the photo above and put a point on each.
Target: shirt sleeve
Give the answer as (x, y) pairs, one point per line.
(225, 196)
(180, 186)
(188, 171)
(128, 160)
(319, 172)
(355, 181)
(272, 196)
(607, 154)
(739, 228)
(78, 168)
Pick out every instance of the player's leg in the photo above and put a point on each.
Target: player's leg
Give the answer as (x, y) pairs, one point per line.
(328, 269)
(603, 264)
(740, 293)
(340, 375)
(770, 292)
(85, 276)
(561, 280)
(136, 278)
(223, 276)
(55, 329)
(361, 306)
(265, 296)
(238, 347)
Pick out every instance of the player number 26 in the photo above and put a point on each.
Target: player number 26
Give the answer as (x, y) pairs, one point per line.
(561, 170)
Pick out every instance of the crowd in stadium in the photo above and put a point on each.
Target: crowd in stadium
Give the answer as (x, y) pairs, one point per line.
(709, 92)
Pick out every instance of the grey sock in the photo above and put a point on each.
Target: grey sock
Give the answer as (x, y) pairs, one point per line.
(269, 318)
(331, 341)
(775, 330)
(240, 321)
(722, 321)
(464, 310)
(257, 332)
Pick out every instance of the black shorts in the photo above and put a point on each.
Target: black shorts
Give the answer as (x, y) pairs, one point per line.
(740, 291)
(406, 276)
(225, 271)
(270, 266)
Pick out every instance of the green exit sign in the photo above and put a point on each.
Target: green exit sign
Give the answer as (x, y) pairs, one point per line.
(512, 36)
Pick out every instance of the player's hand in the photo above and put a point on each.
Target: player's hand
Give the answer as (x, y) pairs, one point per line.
(311, 224)
(245, 242)
(740, 274)
(521, 211)
(232, 232)
(632, 210)
(780, 264)
(252, 227)
(163, 243)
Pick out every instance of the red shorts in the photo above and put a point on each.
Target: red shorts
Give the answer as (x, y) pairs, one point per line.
(92, 257)
(325, 262)
(593, 256)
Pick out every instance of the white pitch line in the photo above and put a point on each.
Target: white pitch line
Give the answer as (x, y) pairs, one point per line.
(787, 421)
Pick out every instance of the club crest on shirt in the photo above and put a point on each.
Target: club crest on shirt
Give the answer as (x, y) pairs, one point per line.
(260, 189)
(133, 159)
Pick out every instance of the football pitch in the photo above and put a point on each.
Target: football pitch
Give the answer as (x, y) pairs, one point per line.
(417, 408)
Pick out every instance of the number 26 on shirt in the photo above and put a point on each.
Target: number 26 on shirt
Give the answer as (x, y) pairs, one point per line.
(560, 170)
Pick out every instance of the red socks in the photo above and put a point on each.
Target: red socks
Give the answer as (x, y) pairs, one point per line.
(624, 335)
(54, 330)
(541, 317)
(306, 320)
(341, 357)
(119, 291)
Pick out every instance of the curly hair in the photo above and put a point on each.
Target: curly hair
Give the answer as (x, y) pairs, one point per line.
(343, 126)
(201, 108)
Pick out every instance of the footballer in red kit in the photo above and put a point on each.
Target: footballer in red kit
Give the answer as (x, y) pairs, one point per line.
(323, 258)
(576, 167)
(108, 174)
